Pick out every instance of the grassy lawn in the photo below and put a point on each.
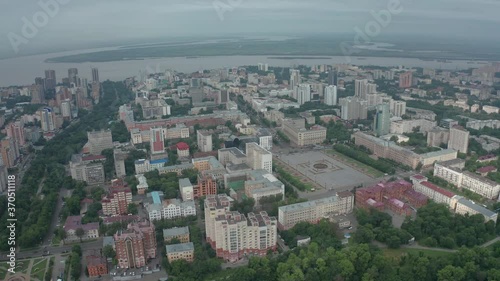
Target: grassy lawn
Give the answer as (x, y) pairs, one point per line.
(3, 270)
(365, 168)
(22, 266)
(38, 269)
(56, 241)
(396, 253)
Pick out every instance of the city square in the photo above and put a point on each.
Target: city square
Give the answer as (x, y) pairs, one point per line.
(322, 169)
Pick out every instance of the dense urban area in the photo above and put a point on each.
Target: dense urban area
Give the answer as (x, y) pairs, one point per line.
(253, 173)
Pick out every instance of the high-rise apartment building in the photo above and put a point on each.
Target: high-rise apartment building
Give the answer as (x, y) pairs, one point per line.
(15, 130)
(263, 67)
(204, 140)
(363, 88)
(9, 152)
(398, 107)
(119, 157)
(304, 93)
(406, 79)
(353, 108)
(135, 245)
(223, 96)
(332, 77)
(258, 157)
(331, 95)
(3, 177)
(294, 82)
(47, 119)
(95, 75)
(157, 141)
(50, 79)
(120, 196)
(73, 76)
(382, 120)
(37, 93)
(66, 109)
(206, 186)
(459, 139)
(438, 136)
(99, 141)
(232, 235)
(89, 169)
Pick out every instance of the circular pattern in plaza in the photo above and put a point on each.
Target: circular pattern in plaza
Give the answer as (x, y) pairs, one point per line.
(320, 166)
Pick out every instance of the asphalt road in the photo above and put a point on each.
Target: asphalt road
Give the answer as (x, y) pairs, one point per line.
(86, 246)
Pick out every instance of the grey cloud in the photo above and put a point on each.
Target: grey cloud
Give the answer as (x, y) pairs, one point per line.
(89, 23)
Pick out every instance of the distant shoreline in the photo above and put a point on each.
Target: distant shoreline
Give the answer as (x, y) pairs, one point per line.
(290, 49)
(299, 58)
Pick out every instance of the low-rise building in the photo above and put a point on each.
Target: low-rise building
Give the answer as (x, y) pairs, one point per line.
(182, 149)
(231, 155)
(473, 182)
(179, 233)
(73, 223)
(465, 206)
(142, 186)
(314, 211)
(407, 126)
(169, 208)
(299, 135)
(183, 251)
(437, 194)
(186, 189)
(96, 266)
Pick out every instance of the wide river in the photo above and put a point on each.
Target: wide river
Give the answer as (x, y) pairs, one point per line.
(23, 70)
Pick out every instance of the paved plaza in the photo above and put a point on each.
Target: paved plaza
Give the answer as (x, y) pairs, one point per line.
(324, 170)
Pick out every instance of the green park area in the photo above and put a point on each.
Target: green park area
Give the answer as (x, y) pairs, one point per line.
(35, 268)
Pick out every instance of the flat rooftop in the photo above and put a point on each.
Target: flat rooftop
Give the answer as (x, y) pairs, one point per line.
(183, 247)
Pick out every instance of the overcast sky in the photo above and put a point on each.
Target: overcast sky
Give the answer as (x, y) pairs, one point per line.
(91, 23)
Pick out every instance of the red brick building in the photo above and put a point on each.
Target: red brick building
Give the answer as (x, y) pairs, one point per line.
(116, 203)
(135, 245)
(96, 266)
(206, 186)
(390, 195)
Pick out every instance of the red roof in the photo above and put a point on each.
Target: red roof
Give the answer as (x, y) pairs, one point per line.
(109, 220)
(438, 189)
(95, 260)
(75, 222)
(486, 169)
(419, 177)
(487, 157)
(182, 146)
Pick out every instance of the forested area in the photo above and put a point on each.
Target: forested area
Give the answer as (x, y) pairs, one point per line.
(436, 226)
(362, 262)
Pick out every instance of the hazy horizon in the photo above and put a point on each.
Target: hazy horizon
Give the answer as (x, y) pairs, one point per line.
(93, 24)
